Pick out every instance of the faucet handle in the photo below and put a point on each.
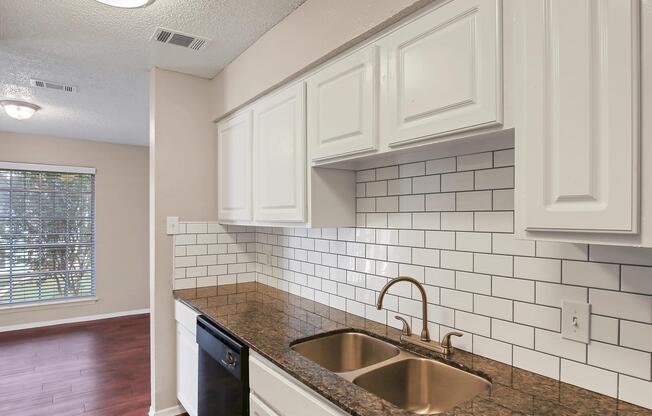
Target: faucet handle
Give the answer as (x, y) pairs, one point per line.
(406, 327)
(446, 343)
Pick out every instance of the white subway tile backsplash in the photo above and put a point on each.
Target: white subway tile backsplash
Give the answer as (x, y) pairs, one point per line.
(513, 333)
(457, 221)
(426, 184)
(604, 329)
(636, 335)
(552, 294)
(504, 158)
(426, 220)
(412, 169)
(475, 324)
(503, 199)
(568, 251)
(460, 181)
(602, 275)
(494, 307)
(537, 316)
(457, 260)
(497, 178)
(474, 201)
(624, 255)
(636, 279)
(440, 202)
(454, 233)
(440, 239)
(497, 221)
(592, 378)
(552, 343)
(399, 186)
(512, 288)
(475, 161)
(619, 359)
(496, 350)
(621, 305)
(478, 242)
(546, 270)
(473, 282)
(635, 391)
(537, 362)
(493, 264)
(440, 166)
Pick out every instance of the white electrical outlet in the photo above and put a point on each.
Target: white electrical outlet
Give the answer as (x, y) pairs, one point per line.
(172, 225)
(575, 321)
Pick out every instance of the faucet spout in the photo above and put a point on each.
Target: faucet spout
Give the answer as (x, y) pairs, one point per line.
(425, 334)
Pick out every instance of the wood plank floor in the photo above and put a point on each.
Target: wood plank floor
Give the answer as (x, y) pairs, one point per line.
(90, 368)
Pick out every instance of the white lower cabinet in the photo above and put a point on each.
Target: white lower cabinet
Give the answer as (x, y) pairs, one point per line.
(258, 408)
(275, 393)
(187, 357)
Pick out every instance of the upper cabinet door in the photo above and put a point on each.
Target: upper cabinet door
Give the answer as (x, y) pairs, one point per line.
(343, 107)
(234, 153)
(578, 128)
(442, 72)
(280, 156)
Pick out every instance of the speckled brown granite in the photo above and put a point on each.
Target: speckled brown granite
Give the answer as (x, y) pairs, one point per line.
(268, 320)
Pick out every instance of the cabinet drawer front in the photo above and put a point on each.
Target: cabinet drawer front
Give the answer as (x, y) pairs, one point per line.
(280, 156)
(283, 394)
(258, 408)
(186, 317)
(444, 72)
(234, 153)
(578, 132)
(343, 106)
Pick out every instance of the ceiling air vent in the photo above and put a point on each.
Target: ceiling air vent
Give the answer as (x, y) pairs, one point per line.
(51, 85)
(180, 39)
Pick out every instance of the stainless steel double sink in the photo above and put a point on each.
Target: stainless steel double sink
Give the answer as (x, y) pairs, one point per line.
(420, 385)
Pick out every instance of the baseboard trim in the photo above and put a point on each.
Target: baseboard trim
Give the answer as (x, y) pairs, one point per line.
(170, 411)
(73, 320)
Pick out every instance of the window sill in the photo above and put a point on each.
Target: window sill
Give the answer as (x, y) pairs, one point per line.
(49, 304)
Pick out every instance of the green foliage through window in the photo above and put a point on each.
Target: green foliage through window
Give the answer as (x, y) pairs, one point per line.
(47, 236)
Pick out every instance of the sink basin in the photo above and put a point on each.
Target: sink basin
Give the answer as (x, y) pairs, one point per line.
(346, 351)
(422, 386)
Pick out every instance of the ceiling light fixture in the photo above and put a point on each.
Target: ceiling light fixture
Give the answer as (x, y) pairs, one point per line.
(20, 110)
(127, 4)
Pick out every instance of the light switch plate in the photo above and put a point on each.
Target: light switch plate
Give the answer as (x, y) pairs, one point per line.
(172, 225)
(575, 321)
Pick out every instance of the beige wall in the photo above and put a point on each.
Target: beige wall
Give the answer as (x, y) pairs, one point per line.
(121, 188)
(182, 183)
(314, 32)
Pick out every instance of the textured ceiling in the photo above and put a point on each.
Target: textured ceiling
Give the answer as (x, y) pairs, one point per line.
(106, 52)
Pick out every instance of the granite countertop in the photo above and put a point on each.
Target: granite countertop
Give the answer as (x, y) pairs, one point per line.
(268, 320)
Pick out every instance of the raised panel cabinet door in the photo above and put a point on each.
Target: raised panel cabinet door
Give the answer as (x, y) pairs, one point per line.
(578, 129)
(442, 72)
(234, 153)
(187, 370)
(343, 106)
(280, 156)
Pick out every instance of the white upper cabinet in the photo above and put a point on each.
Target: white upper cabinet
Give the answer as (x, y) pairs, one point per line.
(442, 72)
(234, 153)
(343, 106)
(578, 137)
(280, 156)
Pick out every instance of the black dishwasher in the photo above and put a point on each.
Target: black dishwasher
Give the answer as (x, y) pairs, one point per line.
(223, 372)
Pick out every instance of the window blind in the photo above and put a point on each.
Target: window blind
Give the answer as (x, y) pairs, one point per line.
(47, 235)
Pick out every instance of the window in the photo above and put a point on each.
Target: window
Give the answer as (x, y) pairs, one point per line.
(47, 233)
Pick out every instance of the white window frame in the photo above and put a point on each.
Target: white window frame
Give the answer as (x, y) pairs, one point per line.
(38, 167)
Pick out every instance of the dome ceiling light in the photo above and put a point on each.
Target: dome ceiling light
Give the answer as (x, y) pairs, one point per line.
(19, 110)
(127, 4)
